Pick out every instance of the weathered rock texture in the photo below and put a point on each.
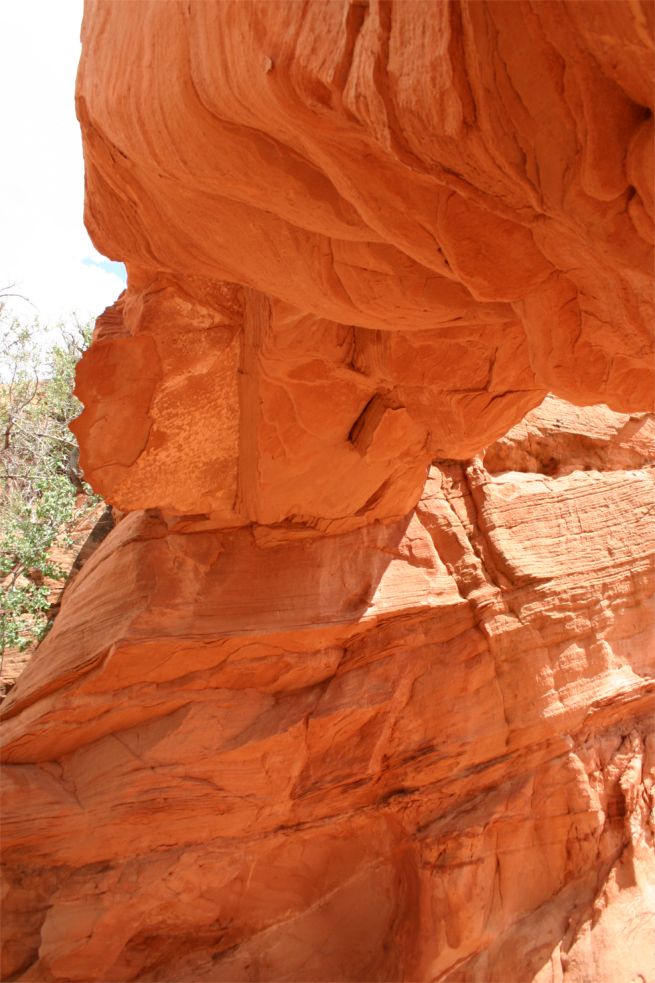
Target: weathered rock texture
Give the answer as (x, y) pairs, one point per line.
(307, 714)
(439, 212)
(412, 751)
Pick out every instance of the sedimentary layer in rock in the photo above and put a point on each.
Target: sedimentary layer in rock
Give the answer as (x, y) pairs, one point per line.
(358, 237)
(320, 708)
(419, 750)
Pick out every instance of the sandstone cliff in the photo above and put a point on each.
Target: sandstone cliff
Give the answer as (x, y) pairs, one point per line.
(418, 750)
(347, 696)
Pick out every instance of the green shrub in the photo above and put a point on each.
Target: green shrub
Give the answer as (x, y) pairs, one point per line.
(39, 475)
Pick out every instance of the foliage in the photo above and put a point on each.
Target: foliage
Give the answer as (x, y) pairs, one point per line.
(40, 482)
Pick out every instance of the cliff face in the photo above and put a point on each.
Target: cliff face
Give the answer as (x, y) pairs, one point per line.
(345, 695)
(417, 750)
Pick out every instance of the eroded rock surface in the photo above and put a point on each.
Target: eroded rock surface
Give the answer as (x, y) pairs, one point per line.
(418, 750)
(339, 699)
(359, 237)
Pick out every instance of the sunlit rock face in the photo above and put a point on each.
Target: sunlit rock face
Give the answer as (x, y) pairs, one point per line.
(362, 685)
(414, 750)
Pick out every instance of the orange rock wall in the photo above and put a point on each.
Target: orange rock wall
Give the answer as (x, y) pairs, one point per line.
(359, 237)
(420, 750)
(362, 686)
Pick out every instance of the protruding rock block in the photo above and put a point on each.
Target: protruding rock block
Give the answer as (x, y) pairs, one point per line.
(426, 743)
(339, 699)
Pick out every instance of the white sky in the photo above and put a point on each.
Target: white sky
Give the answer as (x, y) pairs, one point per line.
(44, 247)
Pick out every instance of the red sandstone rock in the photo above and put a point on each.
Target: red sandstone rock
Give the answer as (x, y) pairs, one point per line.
(412, 751)
(305, 715)
(448, 206)
(558, 438)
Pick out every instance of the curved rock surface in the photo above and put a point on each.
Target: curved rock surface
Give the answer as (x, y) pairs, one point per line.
(420, 750)
(359, 237)
(339, 699)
